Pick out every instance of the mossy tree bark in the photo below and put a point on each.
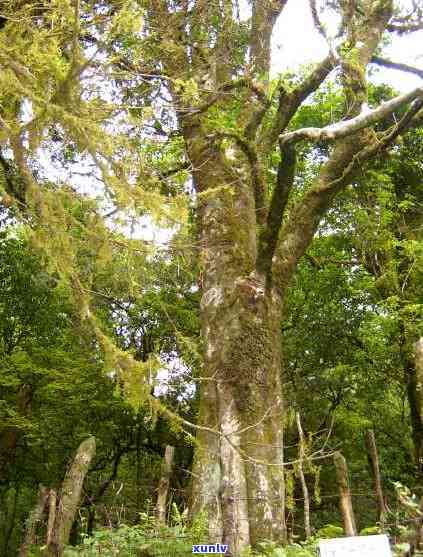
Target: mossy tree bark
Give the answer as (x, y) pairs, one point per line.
(214, 68)
(249, 246)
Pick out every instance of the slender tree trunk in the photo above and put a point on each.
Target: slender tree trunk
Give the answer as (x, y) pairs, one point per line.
(32, 523)
(238, 472)
(52, 504)
(345, 494)
(307, 527)
(163, 488)
(70, 497)
(374, 463)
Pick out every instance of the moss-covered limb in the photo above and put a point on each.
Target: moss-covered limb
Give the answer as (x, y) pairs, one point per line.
(297, 232)
(269, 236)
(348, 157)
(364, 32)
(34, 519)
(344, 494)
(348, 154)
(259, 188)
(265, 14)
(353, 125)
(70, 496)
(289, 103)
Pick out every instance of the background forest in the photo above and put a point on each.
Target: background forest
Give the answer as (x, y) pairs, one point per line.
(142, 146)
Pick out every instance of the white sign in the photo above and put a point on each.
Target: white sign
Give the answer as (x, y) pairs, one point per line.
(358, 546)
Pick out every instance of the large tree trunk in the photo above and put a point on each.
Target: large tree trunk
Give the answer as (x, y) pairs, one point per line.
(249, 251)
(238, 473)
(70, 497)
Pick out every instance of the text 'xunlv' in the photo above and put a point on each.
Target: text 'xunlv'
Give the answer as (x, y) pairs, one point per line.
(215, 548)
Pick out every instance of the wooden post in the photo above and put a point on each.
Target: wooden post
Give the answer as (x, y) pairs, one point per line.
(307, 527)
(374, 463)
(52, 502)
(70, 497)
(345, 494)
(34, 518)
(163, 488)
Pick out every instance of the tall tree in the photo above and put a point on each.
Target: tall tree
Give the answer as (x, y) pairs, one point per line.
(202, 69)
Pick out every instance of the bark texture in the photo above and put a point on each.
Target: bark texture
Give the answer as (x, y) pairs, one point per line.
(344, 494)
(238, 468)
(70, 496)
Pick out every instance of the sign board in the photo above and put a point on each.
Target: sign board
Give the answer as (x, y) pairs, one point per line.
(358, 546)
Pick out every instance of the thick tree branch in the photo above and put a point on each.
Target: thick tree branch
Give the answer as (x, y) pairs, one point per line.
(269, 236)
(396, 66)
(289, 102)
(347, 159)
(265, 14)
(257, 179)
(349, 127)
